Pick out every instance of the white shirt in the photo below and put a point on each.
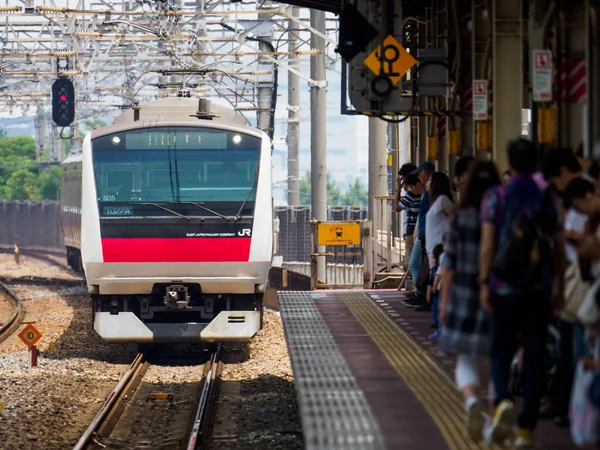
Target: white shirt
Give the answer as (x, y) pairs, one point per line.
(437, 224)
(574, 221)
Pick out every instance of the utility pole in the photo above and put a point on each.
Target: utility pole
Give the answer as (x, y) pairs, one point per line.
(293, 124)
(318, 128)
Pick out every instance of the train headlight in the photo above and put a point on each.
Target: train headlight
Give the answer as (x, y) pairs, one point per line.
(116, 140)
(236, 139)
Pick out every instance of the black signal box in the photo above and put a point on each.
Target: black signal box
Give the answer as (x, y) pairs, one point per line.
(63, 102)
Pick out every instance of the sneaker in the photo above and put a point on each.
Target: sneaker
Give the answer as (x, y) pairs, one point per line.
(435, 336)
(475, 417)
(524, 438)
(501, 425)
(425, 307)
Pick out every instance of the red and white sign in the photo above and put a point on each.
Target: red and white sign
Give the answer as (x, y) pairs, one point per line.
(480, 99)
(542, 76)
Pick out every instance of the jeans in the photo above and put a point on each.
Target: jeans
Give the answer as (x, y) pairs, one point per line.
(409, 243)
(435, 310)
(580, 347)
(528, 314)
(414, 265)
(423, 277)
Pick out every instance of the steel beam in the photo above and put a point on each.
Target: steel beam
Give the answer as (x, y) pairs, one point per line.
(507, 55)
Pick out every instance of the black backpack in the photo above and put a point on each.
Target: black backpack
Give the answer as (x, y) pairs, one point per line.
(521, 257)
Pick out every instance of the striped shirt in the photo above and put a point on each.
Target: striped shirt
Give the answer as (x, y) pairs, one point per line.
(411, 204)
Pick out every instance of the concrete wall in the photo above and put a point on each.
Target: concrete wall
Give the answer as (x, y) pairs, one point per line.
(34, 224)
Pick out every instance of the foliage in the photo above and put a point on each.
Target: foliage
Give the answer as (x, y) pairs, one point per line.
(20, 177)
(88, 125)
(356, 194)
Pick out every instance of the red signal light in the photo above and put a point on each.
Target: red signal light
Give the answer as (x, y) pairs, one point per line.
(63, 98)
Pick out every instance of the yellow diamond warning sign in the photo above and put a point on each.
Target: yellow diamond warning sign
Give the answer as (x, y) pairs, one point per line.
(30, 335)
(339, 233)
(392, 60)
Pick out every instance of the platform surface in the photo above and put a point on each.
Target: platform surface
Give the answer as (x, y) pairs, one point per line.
(367, 376)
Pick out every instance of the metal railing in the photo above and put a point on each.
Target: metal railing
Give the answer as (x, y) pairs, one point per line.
(337, 251)
(388, 250)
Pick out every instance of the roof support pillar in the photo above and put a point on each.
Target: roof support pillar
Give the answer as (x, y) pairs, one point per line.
(318, 130)
(377, 162)
(480, 56)
(507, 58)
(591, 130)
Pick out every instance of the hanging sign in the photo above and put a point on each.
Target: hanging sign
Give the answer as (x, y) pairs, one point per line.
(480, 99)
(542, 76)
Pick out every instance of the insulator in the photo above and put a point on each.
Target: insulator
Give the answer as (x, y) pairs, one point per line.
(51, 9)
(9, 9)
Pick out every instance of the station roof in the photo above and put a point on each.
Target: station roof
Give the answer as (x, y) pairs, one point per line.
(410, 7)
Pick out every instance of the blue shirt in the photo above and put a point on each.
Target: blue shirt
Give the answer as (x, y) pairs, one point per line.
(423, 209)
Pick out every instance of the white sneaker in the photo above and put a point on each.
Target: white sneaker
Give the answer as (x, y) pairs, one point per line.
(475, 412)
(502, 423)
(524, 438)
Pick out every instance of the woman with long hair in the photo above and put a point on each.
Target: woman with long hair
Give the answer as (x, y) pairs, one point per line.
(436, 226)
(464, 325)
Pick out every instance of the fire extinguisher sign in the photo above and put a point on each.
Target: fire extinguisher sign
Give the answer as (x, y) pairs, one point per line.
(542, 76)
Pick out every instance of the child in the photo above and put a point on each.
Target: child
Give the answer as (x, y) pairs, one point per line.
(433, 290)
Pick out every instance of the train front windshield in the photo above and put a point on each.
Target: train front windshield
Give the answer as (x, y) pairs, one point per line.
(139, 171)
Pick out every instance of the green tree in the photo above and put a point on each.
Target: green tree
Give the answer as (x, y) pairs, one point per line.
(334, 196)
(20, 177)
(89, 125)
(356, 195)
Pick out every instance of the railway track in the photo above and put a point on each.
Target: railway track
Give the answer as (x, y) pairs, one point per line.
(122, 408)
(14, 320)
(40, 281)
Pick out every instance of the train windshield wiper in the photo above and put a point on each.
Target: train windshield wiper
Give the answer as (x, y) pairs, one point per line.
(238, 215)
(189, 219)
(206, 209)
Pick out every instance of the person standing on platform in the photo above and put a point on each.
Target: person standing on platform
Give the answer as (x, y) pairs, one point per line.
(521, 278)
(410, 203)
(417, 300)
(461, 168)
(438, 221)
(464, 325)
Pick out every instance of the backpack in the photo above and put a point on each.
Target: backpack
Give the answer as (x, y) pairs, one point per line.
(521, 257)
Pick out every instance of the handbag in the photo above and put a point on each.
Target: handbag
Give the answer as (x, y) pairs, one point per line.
(585, 416)
(588, 313)
(575, 292)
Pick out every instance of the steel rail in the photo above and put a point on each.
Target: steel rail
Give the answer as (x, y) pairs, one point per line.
(205, 397)
(33, 281)
(15, 318)
(106, 408)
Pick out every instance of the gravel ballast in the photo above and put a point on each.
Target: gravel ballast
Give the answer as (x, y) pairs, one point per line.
(50, 406)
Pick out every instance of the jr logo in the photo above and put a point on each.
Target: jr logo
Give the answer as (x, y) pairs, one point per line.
(245, 232)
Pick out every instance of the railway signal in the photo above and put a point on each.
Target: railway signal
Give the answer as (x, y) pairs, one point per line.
(63, 102)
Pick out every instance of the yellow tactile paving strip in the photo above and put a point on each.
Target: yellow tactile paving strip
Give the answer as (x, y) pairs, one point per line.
(428, 382)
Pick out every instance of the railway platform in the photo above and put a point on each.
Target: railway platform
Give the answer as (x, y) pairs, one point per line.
(368, 377)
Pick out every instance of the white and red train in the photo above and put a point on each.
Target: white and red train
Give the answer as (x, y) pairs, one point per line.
(169, 213)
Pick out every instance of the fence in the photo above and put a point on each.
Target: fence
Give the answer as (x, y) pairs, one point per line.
(34, 224)
(293, 230)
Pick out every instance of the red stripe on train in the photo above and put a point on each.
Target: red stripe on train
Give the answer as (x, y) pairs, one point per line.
(157, 250)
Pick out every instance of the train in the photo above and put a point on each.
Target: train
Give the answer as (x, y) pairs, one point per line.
(168, 212)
